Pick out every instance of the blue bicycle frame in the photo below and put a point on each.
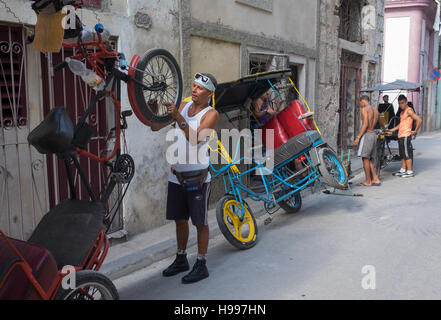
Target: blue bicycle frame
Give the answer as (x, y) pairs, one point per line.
(279, 184)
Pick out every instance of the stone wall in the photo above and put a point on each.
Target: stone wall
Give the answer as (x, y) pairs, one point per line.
(329, 65)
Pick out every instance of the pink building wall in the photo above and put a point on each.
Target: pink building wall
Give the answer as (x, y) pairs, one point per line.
(417, 11)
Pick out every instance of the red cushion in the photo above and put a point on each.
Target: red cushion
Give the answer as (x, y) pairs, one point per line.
(288, 119)
(280, 136)
(17, 285)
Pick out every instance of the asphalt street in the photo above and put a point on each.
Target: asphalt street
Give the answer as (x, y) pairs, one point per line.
(392, 235)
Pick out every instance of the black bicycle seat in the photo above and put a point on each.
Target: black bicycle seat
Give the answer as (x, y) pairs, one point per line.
(69, 230)
(54, 134)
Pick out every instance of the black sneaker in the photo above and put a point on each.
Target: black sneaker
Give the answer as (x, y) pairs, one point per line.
(179, 265)
(198, 272)
(398, 174)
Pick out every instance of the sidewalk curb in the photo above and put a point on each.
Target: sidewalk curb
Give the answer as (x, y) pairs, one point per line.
(148, 255)
(142, 258)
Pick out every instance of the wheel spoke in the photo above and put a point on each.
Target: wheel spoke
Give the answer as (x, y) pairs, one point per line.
(158, 69)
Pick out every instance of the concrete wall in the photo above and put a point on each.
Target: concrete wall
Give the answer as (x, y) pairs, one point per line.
(289, 20)
(422, 53)
(396, 62)
(209, 54)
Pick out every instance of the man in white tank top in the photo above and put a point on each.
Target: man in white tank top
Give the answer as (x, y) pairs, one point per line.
(194, 122)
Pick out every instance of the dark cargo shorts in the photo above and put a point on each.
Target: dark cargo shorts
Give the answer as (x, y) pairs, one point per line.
(181, 204)
(405, 148)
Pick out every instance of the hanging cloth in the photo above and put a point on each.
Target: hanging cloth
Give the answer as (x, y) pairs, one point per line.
(49, 32)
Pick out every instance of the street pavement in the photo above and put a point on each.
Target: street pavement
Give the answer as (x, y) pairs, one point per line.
(384, 245)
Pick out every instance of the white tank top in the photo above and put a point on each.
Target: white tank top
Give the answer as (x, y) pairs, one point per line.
(185, 156)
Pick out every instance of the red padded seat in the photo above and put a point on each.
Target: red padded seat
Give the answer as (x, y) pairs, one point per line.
(280, 135)
(17, 285)
(288, 119)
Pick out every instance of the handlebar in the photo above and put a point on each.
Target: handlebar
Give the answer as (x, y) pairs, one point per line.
(60, 66)
(122, 61)
(99, 28)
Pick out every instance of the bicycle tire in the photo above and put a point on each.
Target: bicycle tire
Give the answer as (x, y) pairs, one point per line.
(289, 208)
(379, 160)
(326, 154)
(142, 71)
(226, 231)
(88, 278)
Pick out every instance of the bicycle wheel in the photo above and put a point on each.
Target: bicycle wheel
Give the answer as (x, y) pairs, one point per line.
(332, 170)
(241, 234)
(379, 160)
(292, 204)
(89, 285)
(157, 69)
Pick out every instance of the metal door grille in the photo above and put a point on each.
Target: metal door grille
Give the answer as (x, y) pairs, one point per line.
(350, 86)
(23, 189)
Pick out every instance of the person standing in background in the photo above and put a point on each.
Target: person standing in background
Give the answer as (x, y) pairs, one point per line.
(405, 133)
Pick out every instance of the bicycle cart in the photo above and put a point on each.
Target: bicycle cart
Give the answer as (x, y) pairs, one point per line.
(300, 157)
(73, 233)
(385, 152)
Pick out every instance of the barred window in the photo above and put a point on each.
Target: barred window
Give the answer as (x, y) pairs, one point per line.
(350, 20)
(12, 77)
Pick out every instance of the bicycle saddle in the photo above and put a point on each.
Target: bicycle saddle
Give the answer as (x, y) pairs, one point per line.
(54, 134)
(69, 231)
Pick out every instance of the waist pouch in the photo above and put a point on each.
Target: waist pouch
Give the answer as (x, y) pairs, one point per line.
(191, 180)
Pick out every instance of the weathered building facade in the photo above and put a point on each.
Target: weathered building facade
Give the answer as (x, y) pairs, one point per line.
(219, 38)
(350, 58)
(412, 52)
(330, 60)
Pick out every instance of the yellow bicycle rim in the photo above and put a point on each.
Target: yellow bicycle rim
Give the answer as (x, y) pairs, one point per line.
(237, 228)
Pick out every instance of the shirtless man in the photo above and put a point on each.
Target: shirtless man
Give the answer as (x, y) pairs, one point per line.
(367, 141)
